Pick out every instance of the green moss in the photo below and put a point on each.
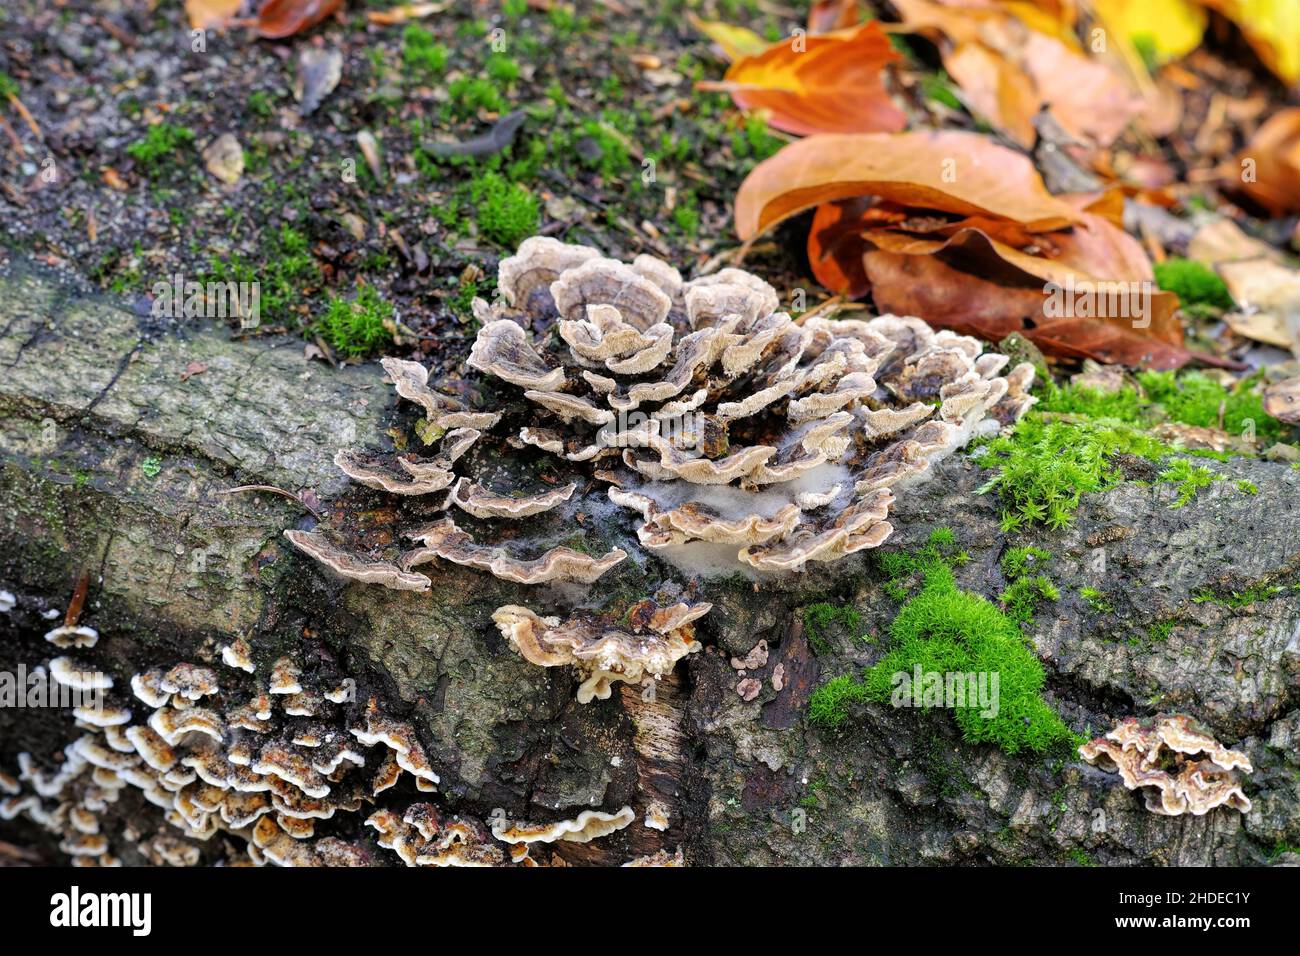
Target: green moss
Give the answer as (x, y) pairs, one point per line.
(507, 213)
(1238, 599)
(1021, 598)
(474, 94)
(260, 103)
(1194, 398)
(1248, 486)
(754, 140)
(284, 267)
(358, 326)
(8, 86)
(828, 706)
(1044, 468)
(502, 69)
(938, 87)
(819, 618)
(1081, 857)
(159, 143)
(151, 466)
(420, 53)
(1096, 600)
(946, 630)
(1195, 283)
(1018, 562)
(943, 629)
(1189, 478)
(686, 215)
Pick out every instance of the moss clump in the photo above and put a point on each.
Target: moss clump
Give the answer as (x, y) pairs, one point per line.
(420, 53)
(507, 213)
(1027, 590)
(1096, 600)
(1192, 398)
(359, 326)
(1044, 468)
(473, 95)
(1189, 478)
(819, 618)
(904, 569)
(828, 706)
(1195, 283)
(285, 269)
(160, 141)
(945, 630)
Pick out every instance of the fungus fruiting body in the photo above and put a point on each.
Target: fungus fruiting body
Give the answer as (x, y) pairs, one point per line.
(744, 439)
(1179, 767)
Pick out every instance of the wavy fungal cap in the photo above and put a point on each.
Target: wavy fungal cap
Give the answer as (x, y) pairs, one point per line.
(1179, 766)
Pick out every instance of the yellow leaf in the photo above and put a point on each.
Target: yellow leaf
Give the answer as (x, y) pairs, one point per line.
(735, 41)
(1171, 29)
(208, 14)
(1273, 29)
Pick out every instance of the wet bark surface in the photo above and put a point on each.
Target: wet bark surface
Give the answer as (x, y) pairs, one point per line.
(115, 451)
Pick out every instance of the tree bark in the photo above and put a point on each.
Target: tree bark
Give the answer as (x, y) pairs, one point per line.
(121, 433)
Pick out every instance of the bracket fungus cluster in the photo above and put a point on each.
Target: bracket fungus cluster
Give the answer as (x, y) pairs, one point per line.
(253, 764)
(262, 760)
(1179, 766)
(745, 440)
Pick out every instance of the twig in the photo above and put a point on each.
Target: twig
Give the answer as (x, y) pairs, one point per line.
(271, 489)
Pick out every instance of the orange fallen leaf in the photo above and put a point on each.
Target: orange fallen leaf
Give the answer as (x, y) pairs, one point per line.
(404, 12)
(954, 172)
(736, 42)
(277, 19)
(819, 84)
(1010, 62)
(210, 14)
(1268, 169)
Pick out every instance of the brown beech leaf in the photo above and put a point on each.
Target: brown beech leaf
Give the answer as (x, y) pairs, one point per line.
(1010, 62)
(1268, 169)
(1120, 265)
(944, 296)
(819, 84)
(954, 172)
(282, 18)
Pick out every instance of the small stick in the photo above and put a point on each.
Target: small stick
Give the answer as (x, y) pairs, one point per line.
(271, 489)
(78, 600)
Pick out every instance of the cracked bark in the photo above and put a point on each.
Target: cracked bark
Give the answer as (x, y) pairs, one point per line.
(92, 392)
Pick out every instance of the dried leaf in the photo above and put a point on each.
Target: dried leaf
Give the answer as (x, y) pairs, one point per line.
(404, 12)
(955, 172)
(736, 42)
(1010, 64)
(1170, 29)
(210, 14)
(1268, 169)
(277, 19)
(826, 16)
(1282, 400)
(819, 84)
(945, 296)
(1270, 292)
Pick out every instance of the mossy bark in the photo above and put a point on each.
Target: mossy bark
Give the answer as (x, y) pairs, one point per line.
(119, 434)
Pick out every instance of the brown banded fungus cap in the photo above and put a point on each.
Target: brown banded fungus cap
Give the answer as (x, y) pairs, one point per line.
(733, 423)
(647, 642)
(1178, 765)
